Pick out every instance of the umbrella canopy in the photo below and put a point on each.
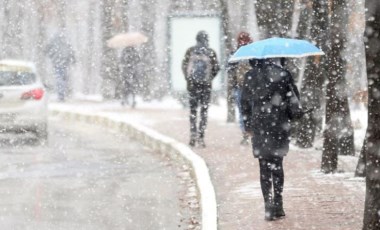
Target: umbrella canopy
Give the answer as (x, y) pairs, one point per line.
(127, 39)
(276, 48)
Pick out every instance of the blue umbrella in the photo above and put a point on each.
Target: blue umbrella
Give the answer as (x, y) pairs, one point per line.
(276, 48)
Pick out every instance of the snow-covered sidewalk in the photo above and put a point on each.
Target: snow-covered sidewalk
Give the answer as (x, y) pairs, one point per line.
(312, 200)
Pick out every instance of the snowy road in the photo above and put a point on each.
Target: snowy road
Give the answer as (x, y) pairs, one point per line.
(89, 178)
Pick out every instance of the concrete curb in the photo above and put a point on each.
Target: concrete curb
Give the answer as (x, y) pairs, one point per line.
(165, 145)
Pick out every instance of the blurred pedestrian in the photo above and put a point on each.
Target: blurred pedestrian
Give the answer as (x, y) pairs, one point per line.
(129, 62)
(236, 72)
(268, 98)
(200, 66)
(61, 53)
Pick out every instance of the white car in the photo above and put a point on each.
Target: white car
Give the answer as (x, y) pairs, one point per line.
(23, 99)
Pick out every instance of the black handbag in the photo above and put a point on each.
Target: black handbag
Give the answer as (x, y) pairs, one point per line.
(294, 107)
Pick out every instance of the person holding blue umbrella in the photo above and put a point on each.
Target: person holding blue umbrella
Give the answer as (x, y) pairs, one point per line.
(264, 105)
(270, 100)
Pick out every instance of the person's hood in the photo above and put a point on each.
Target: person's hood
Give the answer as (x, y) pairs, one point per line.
(202, 39)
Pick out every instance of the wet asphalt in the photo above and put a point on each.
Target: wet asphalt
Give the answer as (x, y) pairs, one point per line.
(87, 177)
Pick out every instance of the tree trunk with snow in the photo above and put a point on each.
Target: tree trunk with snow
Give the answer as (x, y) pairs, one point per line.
(124, 15)
(372, 158)
(41, 39)
(11, 29)
(108, 59)
(274, 17)
(338, 133)
(306, 15)
(313, 79)
(360, 167)
(231, 117)
(149, 74)
(303, 13)
(90, 50)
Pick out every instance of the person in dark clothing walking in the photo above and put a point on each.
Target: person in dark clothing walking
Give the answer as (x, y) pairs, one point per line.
(236, 72)
(62, 56)
(268, 94)
(129, 61)
(200, 66)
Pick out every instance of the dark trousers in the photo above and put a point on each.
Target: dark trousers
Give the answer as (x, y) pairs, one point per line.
(61, 74)
(199, 97)
(272, 173)
(129, 90)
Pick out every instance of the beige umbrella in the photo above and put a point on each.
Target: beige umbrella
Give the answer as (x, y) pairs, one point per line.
(127, 39)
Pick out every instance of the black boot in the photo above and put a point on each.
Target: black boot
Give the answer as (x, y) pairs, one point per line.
(193, 139)
(278, 210)
(201, 143)
(269, 214)
(201, 140)
(192, 142)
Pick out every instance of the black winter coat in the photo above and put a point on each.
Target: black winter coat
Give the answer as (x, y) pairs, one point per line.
(60, 52)
(266, 94)
(129, 61)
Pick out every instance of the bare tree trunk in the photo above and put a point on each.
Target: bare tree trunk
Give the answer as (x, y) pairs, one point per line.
(245, 15)
(149, 57)
(18, 27)
(231, 117)
(274, 17)
(304, 15)
(313, 79)
(12, 30)
(122, 27)
(361, 166)
(338, 134)
(108, 59)
(90, 47)
(41, 39)
(372, 158)
(124, 15)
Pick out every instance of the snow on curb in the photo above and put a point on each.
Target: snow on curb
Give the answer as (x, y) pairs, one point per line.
(165, 145)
